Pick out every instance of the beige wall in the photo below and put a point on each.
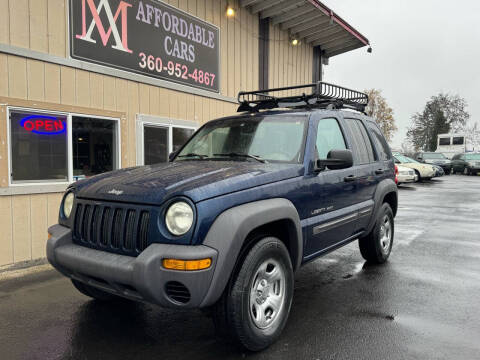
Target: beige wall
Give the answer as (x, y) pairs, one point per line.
(288, 65)
(40, 25)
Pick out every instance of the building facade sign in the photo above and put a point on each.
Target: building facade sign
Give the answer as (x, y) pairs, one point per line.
(147, 37)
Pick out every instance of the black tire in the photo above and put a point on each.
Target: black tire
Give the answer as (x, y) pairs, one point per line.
(234, 313)
(467, 171)
(418, 175)
(373, 246)
(95, 293)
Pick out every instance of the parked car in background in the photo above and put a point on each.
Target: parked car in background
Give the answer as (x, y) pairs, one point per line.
(423, 171)
(438, 171)
(467, 164)
(406, 175)
(435, 158)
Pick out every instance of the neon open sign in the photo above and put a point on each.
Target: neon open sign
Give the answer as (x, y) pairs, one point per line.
(42, 124)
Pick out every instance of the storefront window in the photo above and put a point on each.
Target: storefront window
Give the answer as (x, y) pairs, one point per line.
(38, 147)
(155, 142)
(180, 137)
(160, 139)
(40, 151)
(93, 146)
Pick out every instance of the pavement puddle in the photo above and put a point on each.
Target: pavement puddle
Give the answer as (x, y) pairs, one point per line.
(406, 236)
(440, 331)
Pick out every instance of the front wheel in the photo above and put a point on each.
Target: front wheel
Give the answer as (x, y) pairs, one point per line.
(377, 245)
(466, 171)
(419, 178)
(255, 307)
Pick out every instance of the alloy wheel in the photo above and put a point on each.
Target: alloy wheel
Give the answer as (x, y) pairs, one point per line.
(386, 234)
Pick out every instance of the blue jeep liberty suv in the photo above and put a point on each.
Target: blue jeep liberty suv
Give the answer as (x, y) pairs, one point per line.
(236, 211)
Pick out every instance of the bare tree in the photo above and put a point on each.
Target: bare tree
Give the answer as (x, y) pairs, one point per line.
(407, 148)
(378, 109)
(442, 113)
(472, 134)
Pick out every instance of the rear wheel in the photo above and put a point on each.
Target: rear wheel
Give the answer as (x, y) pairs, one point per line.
(255, 306)
(377, 245)
(93, 292)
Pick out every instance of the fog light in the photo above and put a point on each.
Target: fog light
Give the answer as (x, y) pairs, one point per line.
(186, 265)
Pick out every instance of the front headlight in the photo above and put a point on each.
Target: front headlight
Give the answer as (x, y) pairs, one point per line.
(68, 204)
(179, 218)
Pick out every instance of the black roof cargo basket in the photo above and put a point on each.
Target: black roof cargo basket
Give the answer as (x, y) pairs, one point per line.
(323, 95)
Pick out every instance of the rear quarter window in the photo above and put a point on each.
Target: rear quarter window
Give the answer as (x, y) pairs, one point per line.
(362, 145)
(383, 150)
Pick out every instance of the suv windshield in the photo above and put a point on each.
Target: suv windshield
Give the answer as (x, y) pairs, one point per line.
(472, 156)
(434, 156)
(257, 138)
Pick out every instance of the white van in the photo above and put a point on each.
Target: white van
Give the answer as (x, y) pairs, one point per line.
(451, 144)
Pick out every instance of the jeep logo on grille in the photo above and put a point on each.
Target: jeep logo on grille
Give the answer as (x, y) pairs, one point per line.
(115, 192)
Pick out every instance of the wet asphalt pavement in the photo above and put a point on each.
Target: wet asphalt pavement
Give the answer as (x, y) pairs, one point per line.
(423, 304)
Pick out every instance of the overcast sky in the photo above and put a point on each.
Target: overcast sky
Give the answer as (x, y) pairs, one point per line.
(420, 48)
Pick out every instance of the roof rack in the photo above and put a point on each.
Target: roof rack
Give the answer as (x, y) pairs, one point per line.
(323, 95)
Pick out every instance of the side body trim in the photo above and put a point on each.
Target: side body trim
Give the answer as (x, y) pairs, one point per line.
(332, 224)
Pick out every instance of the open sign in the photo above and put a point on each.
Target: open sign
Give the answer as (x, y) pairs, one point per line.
(42, 124)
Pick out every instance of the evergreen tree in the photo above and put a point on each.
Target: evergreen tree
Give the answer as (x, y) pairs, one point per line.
(442, 114)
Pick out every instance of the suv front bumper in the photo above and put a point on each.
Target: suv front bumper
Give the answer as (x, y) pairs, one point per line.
(141, 278)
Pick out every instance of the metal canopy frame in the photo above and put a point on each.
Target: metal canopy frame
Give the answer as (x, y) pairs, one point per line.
(310, 21)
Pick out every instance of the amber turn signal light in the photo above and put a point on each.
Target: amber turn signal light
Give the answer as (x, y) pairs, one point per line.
(186, 265)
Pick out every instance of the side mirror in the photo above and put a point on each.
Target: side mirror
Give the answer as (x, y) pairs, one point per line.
(336, 159)
(171, 155)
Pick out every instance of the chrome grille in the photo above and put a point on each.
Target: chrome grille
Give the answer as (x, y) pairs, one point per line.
(111, 227)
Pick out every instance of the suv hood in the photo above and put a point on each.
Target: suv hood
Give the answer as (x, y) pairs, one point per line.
(198, 180)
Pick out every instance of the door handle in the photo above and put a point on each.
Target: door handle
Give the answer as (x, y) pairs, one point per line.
(379, 171)
(349, 178)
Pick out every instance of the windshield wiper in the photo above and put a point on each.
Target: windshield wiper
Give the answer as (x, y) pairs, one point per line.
(234, 154)
(193, 155)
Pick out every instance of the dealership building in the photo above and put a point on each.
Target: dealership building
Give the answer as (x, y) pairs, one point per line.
(89, 86)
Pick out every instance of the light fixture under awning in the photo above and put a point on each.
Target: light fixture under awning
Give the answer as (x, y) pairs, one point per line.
(310, 21)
